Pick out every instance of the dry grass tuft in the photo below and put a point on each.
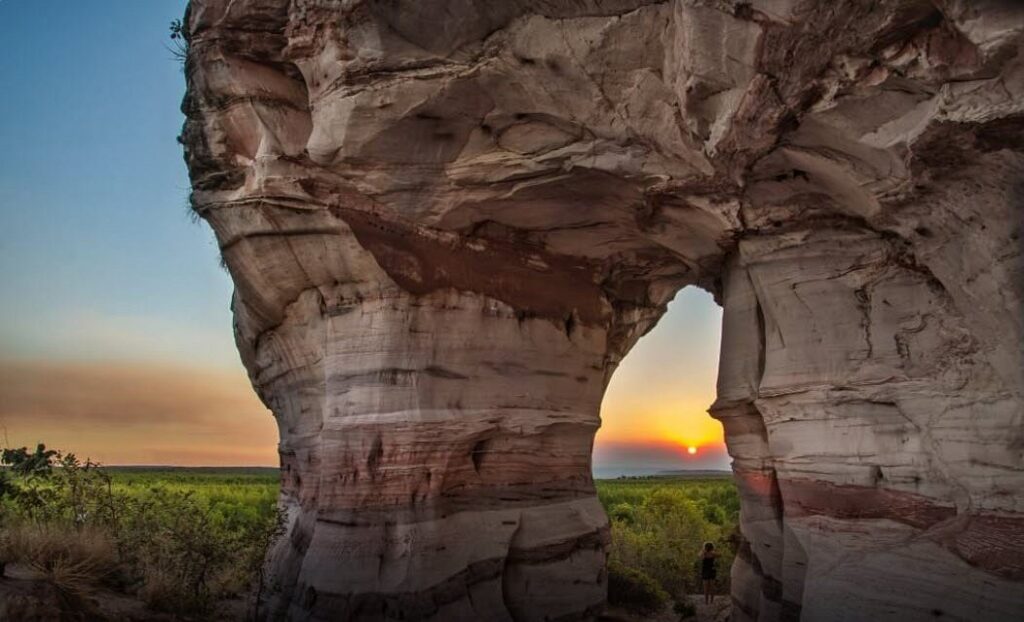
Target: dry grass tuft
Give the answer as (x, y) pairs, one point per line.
(72, 560)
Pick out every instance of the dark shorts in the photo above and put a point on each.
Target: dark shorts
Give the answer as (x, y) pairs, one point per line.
(708, 574)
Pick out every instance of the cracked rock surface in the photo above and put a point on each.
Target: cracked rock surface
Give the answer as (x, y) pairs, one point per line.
(448, 221)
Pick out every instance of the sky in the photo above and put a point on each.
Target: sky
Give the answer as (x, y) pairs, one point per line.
(115, 331)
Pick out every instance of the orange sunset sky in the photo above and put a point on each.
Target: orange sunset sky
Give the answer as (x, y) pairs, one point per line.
(115, 332)
(190, 402)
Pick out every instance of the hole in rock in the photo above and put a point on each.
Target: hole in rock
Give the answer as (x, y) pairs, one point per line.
(376, 454)
(655, 409)
(478, 452)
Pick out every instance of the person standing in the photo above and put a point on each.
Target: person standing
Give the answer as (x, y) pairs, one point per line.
(708, 573)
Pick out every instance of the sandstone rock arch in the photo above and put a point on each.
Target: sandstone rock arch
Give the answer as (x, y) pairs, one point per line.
(448, 221)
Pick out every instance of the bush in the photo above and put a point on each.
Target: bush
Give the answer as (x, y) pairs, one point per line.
(659, 524)
(684, 608)
(72, 524)
(622, 512)
(662, 540)
(177, 550)
(634, 590)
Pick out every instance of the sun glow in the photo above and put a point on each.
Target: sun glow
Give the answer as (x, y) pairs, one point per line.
(686, 427)
(655, 408)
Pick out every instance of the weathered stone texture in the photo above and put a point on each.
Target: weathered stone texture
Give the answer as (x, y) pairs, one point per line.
(447, 222)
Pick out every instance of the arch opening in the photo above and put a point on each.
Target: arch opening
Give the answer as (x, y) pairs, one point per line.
(654, 410)
(661, 467)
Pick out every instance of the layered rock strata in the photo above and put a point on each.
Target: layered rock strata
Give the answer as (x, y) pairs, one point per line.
(447, 222)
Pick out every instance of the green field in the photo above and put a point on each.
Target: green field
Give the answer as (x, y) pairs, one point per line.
(195, 536)
(658, 522)
(242, 496)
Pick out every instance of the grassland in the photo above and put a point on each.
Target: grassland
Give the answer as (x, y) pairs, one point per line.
(184, 542)
(197, 535)
(658, 523)
(239, 496)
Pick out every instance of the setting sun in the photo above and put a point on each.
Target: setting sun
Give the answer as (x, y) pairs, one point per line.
(655, 408)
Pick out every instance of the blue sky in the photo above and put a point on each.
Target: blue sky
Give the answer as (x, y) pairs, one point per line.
(93, 191)
(113, 307)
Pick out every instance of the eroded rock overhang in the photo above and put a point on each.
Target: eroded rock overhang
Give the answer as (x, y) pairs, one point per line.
(447, 222)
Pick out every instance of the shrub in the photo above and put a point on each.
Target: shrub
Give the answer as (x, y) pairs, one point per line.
(622, 512)
(684, 608)
(659, 524)
(634, 590)
(662, 540)
(714, 514)
(179, 551)
(52, 488)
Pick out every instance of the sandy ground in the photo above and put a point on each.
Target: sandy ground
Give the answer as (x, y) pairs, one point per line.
(717, 611)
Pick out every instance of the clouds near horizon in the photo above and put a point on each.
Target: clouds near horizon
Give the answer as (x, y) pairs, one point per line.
(191, 402)
(119, 413)
(654, 456)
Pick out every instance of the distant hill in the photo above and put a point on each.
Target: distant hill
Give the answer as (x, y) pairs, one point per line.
(235, 471)
(609, 473)
(696, 473)
(201, 470)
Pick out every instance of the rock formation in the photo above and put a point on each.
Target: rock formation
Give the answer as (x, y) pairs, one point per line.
(448, 221)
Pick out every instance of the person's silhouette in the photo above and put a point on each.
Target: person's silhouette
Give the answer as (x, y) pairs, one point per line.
(707, 570)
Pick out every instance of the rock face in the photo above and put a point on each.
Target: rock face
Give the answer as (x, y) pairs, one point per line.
(448, 221)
